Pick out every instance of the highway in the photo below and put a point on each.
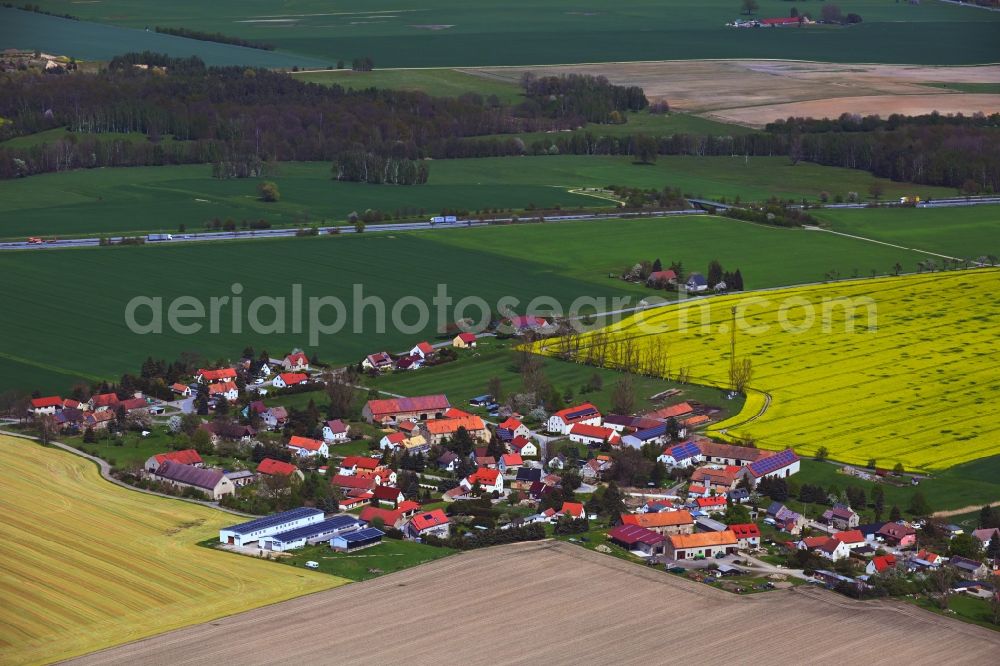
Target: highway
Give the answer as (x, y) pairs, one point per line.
(347, 229)
(427, 226)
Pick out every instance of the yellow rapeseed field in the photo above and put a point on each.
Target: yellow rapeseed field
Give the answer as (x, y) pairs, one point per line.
(87, 564)
(900, 369)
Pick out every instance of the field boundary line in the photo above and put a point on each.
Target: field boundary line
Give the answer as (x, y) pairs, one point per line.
(105, 470)
(898, 247)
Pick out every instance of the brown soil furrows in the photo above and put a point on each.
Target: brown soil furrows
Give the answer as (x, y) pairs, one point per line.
(565, 604)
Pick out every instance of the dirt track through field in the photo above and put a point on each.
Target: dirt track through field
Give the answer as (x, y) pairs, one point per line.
(556, 603)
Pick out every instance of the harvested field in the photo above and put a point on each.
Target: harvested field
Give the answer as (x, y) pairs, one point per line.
(88, 564)
(627, 614)
(881, 105)
(732, 90)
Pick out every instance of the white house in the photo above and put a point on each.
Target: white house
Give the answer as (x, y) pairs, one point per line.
(304, 447)
(286, 379)
(295, 362)
(48, 405)
(516, 428)
(682, 455)
(225, 390)
(422, 350)
(490, 480)
(524, 446)
(336, 431)
(564, 419)
(379, 362)
(781, 465)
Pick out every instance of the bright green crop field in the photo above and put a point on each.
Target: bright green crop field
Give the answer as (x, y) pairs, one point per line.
(449, 33)
(434, 82)
(64, 312)
(160, 199)
(967, 233)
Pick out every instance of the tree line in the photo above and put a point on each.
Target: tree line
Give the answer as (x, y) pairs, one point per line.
(214, 37)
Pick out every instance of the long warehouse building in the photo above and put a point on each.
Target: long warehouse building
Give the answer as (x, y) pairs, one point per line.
(312, 534)
(254, 530)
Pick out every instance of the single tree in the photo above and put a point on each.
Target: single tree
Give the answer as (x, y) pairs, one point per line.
(821, 453)
(748, 7)
(623, 395)
(268, 192)
(918, 505)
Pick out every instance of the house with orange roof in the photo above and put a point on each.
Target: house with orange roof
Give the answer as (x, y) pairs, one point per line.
(852, 538)
(224, 391)
(103, 401)
(422, 350)
(748, 534)
(585, 414)
(490, 480)
(428, 523)
(515, 427)
(664, 522)
(672, 411)
(881, 564)
(48, 405)
(510, 463)
(593, 435)
(389, 517)
(702, 544)
(438, 430)
(286, 379)
(306, 446)
(714, 504)
(211, 376)
(359, 464)
(272, 467)
(183, 390)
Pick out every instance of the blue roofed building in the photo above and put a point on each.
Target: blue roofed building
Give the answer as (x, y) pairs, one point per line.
(254, 530)
(682, 455)
(351, 541)
(312, 534)
(655, 435)
(780, 465)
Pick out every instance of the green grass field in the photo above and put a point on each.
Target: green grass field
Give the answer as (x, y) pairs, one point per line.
(97, 41)
(449, 33)
(959, 232)
(160, 199)
(564, 261)
(389, 556)
(468, 377)
(969, 484)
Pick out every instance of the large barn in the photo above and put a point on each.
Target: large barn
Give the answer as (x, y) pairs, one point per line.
(312, 533)
(254, 530)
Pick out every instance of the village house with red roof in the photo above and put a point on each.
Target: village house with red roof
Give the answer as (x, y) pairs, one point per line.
(295, 362)
(210, 376)
(185, 457)
(417, 408)
(490, 480)
(433, 523)
(272, 467)
(286, 379)
(593, 435)
(585, 414)
(464, 341)
(306, 446)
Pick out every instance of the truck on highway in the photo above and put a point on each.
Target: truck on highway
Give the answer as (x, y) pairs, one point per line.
(159, 237)
(34, 240)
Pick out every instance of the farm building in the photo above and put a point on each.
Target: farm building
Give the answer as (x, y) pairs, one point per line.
(748, 534)
(727, 454)
(311, 534)
(638, 540)
(664, 522)
(781, 465)
(351, 541)
(464, 341)
(240, 478)
(185, 457)
(655, 435)
(563, 420)
(244, 533)
(705, 544)
(671, 412)
(419, 408)
(48, 405)
(212, 482)
(103, 402)
(592, 435)
(626, 424)
(446, 428)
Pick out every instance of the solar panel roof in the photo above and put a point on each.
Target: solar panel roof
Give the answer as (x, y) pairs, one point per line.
(772, 463)
(331, 524)
(274, 519)
(363, 535)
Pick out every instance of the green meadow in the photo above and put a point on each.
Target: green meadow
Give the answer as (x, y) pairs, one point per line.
(160, 199)
(450, 33)
(968, 232)
(65, 309)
